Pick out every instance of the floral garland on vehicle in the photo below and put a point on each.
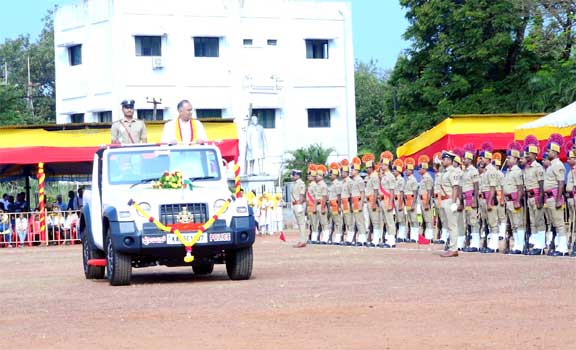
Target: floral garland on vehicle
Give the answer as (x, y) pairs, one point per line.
(187, 244)
(172, 180)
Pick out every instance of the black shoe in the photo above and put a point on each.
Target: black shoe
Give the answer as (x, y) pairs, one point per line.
(358, 244)
(386, 245)
(557, 253)
(536, 251)
(489, 251)
(412, 241)
(516, 252)
(370, 245)
(470, 250)
(573, 253)
(381, 245)
(440, 241)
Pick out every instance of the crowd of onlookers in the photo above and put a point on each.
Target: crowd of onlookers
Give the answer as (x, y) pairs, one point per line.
(20, 225)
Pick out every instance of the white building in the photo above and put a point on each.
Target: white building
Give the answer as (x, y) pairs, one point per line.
(291, 61)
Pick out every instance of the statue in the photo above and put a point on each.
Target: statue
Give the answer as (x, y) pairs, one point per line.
(255, 146)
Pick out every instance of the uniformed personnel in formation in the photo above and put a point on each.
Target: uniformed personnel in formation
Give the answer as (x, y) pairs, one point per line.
(458, 206)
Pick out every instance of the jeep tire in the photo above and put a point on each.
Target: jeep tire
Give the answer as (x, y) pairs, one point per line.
(203, 268)
(118, 266)
(88, 253)
(239, 263)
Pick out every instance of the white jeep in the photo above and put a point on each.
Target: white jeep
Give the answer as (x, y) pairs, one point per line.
(114, 232)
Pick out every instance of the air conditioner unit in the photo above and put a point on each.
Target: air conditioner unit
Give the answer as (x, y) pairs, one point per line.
(157, 62)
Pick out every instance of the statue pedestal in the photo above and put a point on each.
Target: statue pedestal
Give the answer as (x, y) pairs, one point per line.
(258, 183)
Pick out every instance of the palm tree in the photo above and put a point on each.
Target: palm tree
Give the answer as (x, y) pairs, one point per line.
(301, 157)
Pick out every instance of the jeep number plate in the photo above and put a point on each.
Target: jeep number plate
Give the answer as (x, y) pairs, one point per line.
(173, 239)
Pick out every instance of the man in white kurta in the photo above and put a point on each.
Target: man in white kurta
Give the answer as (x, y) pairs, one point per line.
(184, 129)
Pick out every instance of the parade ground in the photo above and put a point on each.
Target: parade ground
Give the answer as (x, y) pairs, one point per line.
(319, 297)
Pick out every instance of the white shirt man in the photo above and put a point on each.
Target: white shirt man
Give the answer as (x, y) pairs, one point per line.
(184, 128)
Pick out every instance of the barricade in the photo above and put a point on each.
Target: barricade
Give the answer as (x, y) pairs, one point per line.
(23, 229)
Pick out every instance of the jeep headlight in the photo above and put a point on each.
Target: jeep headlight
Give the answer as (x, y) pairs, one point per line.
(145, 206)
(218, 204)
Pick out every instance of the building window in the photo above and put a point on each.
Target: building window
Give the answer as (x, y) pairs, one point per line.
(272, 42)
(105, 117)
(247, 42)
(318, 118)
(148, 45)
(266, 117)
(148, 114)
(208, 113)
(316, 49)
(75, 55)
(77, 118)
(206, 46)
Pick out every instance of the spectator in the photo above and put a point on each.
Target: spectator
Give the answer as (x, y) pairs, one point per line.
(21, 228)
(72, 201)
(21, 205)
(5, 230)
(80, 198)
(60, 203)
(10, 207)
(55, 223)
(5, 200)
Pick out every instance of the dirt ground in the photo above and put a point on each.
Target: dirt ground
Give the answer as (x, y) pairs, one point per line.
(319, 297)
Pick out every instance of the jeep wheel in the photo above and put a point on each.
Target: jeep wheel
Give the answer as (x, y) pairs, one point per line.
(239, 263)
(88, 253)
(203, 268)
(118, 266)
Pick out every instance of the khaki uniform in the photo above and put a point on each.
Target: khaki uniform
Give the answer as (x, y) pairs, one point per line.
(357, 194)
(488, 211)
(399, 205)
(555, 173)
(347, 208)
(410, 199)
(128, 131)
(438, 193)
(471, 177)
(424, 190)
(334, 198)
(313, 219)
(372, 189)
(450, 178)
(322, 212)
(460, 214)
(514, 208)
(299, 191)
(533, 174)
(388, 183)
(501, 211)
(571, 197)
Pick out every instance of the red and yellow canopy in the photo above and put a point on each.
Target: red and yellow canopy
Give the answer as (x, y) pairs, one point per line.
(458, 130)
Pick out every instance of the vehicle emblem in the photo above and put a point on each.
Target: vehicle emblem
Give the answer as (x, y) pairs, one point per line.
(185, 217)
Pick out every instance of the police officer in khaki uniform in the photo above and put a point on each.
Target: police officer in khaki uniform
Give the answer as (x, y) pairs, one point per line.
(346, 202)
(513, 187)
(358, 196)
(457, 163)
(322, 204)
(387, 188)
(441, 236)
(497, 162)
(534, 187)
(128, 130)
(470, 190)
(397, 169)
(488, 200)
(371, 191)
(410, 199)
(311, 194)
(335, 203)
(298, 203)
(449, 198)
(425, 188)
(553, 188)
(571, 195)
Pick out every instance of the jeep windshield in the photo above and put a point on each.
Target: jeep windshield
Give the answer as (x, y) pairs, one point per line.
(141, 166)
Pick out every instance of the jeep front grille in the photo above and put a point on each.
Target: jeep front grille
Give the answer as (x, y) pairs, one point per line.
(196, 213)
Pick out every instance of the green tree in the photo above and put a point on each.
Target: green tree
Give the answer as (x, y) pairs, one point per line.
(312, 154)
